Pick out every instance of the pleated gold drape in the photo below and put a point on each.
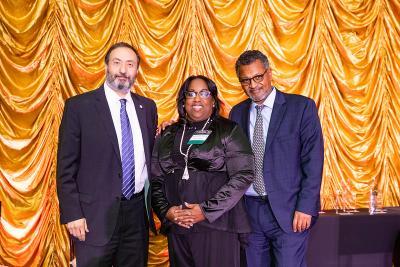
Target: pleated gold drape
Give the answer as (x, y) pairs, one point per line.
(342, 53)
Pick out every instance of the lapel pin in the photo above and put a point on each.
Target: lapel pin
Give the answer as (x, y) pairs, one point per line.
(140, 106)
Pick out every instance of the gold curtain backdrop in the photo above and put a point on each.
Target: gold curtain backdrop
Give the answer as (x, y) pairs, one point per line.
(345, 54)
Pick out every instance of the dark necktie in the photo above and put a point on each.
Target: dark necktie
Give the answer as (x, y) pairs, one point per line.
(258, 150)
(127, 154)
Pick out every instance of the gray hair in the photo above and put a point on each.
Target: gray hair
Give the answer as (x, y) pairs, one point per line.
(248, 57)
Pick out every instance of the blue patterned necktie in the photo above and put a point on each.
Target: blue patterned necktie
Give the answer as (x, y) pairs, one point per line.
(127, 154)
(258, 150)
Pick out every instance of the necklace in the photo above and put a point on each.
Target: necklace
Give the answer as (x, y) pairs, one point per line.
(185, 175)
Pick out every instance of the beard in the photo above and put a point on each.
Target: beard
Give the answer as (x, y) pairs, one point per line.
(112, 80)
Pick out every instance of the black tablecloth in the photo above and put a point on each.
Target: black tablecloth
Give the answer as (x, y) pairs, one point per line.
(354, 240)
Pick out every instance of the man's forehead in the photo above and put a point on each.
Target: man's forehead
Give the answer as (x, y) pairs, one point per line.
(123, 54)
(252, 68)
(123, 59)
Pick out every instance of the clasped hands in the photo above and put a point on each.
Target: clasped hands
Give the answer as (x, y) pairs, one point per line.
(185, 216)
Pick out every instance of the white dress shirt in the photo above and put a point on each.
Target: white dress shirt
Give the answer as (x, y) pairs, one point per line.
(266, 114)
(113, 100)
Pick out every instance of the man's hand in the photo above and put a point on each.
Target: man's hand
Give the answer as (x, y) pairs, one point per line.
(172, 215)
(301, 221)
(78, 228)
(164, 125)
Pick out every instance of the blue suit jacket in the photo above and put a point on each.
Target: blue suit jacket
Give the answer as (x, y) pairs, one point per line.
(294, 155)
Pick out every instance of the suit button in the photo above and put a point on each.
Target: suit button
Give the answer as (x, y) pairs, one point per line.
(117, 198)
(119, 175)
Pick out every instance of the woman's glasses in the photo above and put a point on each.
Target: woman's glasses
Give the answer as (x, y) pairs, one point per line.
(202, 94)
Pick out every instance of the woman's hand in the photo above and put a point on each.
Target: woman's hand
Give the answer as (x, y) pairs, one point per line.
(173, 216)
(190, 215)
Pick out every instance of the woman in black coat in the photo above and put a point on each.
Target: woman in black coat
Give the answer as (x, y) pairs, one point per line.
(201, 167)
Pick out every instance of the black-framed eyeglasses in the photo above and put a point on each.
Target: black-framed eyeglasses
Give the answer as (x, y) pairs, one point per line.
(203, 94)
(257, 78)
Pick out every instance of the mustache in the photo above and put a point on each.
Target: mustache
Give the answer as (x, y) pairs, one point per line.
(121, 76)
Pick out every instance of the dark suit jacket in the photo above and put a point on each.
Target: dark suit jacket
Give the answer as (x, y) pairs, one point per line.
(293, 158)
(89, 167)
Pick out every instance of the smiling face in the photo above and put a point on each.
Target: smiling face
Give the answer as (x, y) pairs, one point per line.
(257, 91)
(121, 70)
(199, 108)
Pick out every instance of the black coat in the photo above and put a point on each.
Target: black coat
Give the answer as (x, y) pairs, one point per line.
(89, 164)
(221, 169)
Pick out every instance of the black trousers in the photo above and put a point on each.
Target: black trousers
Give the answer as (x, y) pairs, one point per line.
(207, 249)
(129, 243)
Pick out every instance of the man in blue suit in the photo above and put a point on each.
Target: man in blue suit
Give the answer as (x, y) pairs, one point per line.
(286, 137)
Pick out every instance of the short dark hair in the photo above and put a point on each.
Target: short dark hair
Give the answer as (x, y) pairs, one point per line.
(117, 45)
(248, 57)
(212, 87)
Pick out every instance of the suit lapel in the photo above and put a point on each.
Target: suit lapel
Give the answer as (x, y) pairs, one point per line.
(105, 115)
(277, 115)
(245, 120)
(141, 115)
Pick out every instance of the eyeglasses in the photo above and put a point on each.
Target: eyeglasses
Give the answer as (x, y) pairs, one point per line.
(203, 94)
(257, 78)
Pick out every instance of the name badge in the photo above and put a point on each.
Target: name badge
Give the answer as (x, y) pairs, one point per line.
(199, 137)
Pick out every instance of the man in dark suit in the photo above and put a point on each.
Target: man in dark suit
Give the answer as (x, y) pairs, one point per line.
(285, 132)
(104, 153)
